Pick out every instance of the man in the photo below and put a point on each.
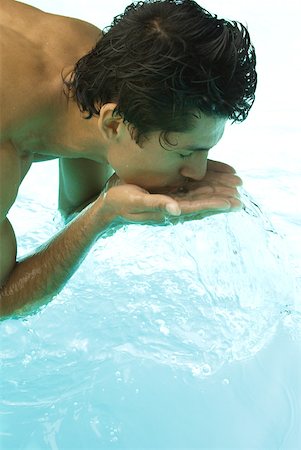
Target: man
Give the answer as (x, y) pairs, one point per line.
(145, 104)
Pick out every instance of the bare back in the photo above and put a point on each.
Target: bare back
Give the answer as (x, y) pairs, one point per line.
(35, 48)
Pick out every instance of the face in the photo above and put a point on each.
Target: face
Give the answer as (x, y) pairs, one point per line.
(158, 169)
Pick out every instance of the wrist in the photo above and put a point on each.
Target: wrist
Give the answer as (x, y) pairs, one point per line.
(105, 214)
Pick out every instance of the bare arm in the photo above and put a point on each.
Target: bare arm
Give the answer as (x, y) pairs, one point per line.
(36, 279)
(80, 180)
(10, 177)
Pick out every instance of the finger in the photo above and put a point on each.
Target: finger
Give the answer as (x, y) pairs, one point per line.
(208, 204)
(218, 166)
(225, 179)
(201, 215)
(157, 202)
(208, 190)
(194, 216)
(211, 208)
(236, 204)
(149, 218)
(211, 178)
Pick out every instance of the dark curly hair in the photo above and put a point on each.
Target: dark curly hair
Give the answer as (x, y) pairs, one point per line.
(164, 62)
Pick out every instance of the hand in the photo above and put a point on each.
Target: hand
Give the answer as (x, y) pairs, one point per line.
(131, 203)
(215, 193)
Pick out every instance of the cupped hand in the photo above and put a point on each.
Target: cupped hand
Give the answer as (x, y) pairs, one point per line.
(216, 193)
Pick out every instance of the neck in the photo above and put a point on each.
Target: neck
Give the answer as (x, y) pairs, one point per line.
(79, 137)
(58, 129)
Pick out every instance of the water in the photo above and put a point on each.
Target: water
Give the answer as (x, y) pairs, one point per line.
(174, 337)
(182, 336)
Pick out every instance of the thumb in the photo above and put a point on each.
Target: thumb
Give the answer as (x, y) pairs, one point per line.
(162, 203)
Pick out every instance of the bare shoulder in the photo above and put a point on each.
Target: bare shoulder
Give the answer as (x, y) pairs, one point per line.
(35, 48)
(47, 29)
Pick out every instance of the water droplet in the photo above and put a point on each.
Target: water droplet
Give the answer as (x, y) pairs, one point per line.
(206, 369)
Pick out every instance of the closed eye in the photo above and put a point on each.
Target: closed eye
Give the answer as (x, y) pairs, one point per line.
(185, 156)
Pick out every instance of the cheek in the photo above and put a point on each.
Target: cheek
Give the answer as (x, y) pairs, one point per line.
(128, 168)
(136, 165)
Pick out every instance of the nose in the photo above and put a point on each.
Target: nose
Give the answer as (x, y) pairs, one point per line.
(195, 167)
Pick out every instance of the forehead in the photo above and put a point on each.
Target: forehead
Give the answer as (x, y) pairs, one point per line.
(207, 131)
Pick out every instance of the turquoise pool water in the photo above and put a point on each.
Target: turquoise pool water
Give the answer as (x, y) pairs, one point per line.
(181, 337)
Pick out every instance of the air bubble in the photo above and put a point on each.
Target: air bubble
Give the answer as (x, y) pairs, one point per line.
(206, 369)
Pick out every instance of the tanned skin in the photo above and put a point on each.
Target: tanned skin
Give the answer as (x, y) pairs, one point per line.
(38, 123)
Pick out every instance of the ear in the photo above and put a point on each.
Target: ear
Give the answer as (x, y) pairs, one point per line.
(111, 127)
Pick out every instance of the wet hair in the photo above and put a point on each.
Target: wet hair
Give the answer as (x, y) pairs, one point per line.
(165, 62)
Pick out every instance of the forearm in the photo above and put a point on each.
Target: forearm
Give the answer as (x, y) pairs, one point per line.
(36, 279)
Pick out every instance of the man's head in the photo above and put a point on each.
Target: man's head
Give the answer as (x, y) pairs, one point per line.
(165, 65)
(158, 166)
